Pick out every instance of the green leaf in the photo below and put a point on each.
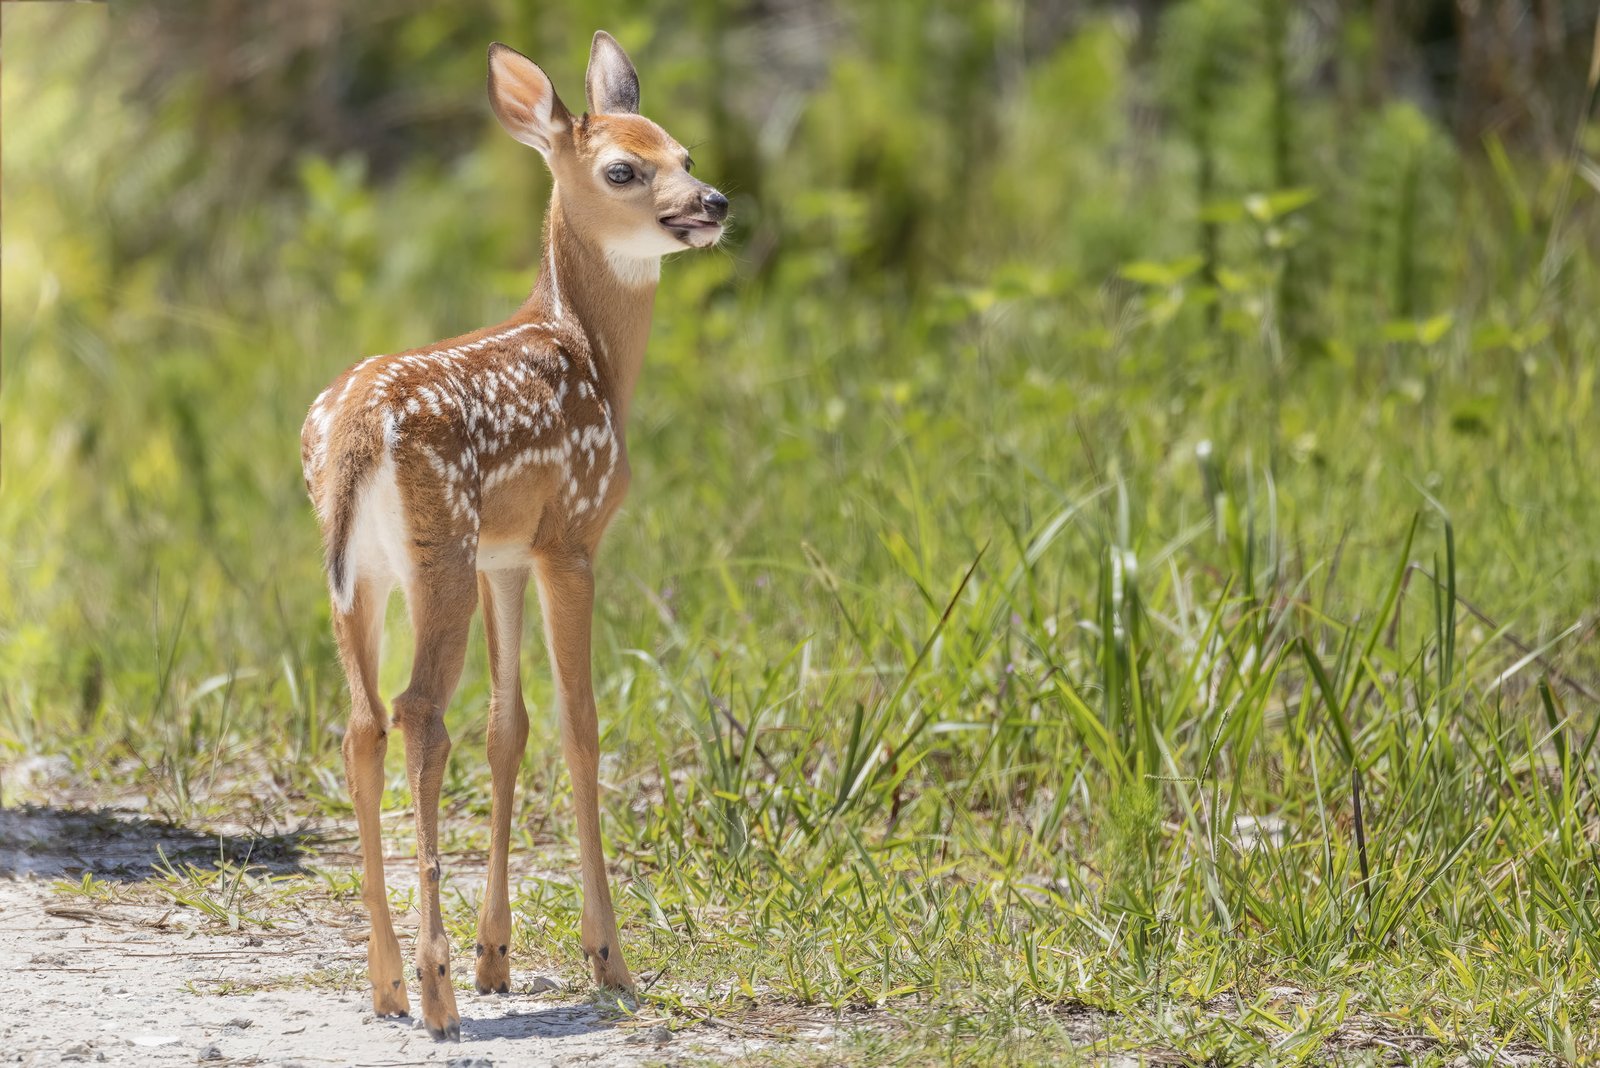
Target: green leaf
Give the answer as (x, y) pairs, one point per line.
(1147, 273)
(1270, 207)
(1433, 329)
(1423, 332)
(1161, 274)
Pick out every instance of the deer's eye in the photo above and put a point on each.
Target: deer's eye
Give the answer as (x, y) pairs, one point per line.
(619, 173)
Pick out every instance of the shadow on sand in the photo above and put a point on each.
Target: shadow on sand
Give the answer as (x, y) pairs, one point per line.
(552, 1021)
(543, 1021)
(53, 843)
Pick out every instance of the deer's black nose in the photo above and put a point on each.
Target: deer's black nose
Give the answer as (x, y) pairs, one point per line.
(714, 203)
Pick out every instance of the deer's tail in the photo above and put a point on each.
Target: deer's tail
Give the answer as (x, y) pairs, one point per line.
(350, 466)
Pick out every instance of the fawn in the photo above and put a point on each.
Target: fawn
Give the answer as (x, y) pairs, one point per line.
(456, 470)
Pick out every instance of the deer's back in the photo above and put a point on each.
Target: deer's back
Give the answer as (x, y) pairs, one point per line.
(507, 435)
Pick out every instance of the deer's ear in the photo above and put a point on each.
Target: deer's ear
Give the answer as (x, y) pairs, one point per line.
(524, 100)
(612, 83)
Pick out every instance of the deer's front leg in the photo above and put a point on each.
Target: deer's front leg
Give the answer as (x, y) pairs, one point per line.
(566, 595)
(442, 601)
(502, 595)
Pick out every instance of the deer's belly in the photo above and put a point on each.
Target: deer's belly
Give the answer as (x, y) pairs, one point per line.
(503, 556)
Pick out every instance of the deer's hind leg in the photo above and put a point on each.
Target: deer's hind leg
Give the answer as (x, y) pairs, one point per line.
(442, 594)
(502, 593)
(359, 633)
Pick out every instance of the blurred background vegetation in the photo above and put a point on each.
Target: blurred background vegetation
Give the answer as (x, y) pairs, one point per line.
(1168, 320)
(212, 207)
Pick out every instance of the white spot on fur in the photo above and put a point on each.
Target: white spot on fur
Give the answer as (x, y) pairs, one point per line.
(555, 287)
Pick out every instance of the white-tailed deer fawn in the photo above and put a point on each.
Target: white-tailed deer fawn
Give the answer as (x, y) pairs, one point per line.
(454, 471)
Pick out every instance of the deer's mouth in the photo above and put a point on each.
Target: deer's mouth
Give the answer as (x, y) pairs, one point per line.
(687, 228)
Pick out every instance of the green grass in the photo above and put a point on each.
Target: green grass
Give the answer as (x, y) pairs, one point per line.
(1057, 633)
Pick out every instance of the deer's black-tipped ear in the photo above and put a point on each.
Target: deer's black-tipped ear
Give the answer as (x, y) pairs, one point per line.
(612, 83)
(524, 100)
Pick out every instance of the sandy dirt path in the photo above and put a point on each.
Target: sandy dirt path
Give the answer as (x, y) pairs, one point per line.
(102, 984)
(125, 975)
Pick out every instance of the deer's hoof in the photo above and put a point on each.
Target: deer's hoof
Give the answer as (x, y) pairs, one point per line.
(610, 971)
(439, 1002)
(390, 999)
(494, 970)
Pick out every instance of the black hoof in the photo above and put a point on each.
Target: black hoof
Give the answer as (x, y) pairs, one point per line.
(450, 1032)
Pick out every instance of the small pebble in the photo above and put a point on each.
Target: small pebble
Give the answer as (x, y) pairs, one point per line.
(211, 1053)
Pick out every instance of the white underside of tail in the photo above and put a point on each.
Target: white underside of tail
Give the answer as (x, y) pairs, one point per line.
(379, 550)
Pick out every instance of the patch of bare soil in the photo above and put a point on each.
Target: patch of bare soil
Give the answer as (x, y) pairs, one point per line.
(133, 979)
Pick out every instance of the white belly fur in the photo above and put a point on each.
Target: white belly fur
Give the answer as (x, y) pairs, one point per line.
(503, 557)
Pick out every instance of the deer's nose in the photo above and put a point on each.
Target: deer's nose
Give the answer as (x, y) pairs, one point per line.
(714, 203)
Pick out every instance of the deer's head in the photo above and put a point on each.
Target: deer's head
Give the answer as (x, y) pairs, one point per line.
(623, 181)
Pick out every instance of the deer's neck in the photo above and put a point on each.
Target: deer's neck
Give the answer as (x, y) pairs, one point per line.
(610, 302)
